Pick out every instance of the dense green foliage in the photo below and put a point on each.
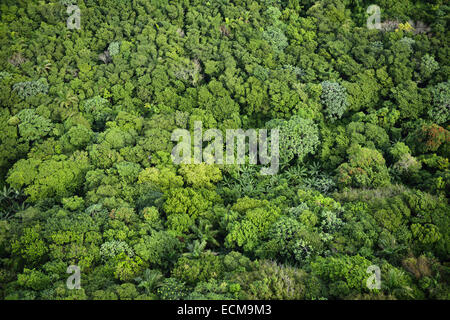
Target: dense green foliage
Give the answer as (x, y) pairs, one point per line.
(86, 119)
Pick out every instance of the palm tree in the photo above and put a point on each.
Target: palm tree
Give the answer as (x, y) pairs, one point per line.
(11, 202)
(205, 232)
(67, 103)
(195, 249)
(66, 100)
(150, 280)
(44, 67)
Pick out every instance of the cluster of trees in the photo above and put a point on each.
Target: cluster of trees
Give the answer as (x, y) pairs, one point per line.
(87, 177)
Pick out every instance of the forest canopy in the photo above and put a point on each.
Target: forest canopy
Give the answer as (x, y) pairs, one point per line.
(87, 179)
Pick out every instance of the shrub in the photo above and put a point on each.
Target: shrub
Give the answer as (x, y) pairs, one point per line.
(428, 66)
(114, 48)
(440, 112)
(270, 281)
(207, 266)
(31, 88)
(298, 137)
(366, 169)
(334, 97)
(172, 289)
(344, 271)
